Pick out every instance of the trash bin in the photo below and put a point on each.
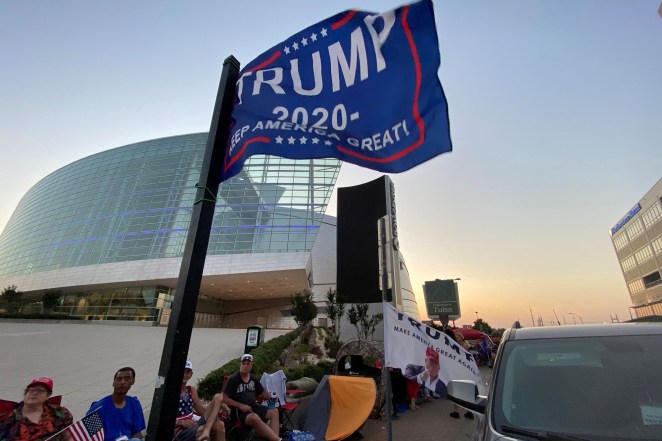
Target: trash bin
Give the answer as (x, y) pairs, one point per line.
(254, 338)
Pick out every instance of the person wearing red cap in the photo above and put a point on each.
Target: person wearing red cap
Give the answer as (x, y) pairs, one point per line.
(428, 375)
(34, 418)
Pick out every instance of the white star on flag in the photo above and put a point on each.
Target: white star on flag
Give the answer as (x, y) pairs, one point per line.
(316, 140)
(295, 45)
(323, 32)
(313, 36)
(286, 49)
(327, 142)
(291, 140)
(303, 140)
(304, 41)
(279, 140)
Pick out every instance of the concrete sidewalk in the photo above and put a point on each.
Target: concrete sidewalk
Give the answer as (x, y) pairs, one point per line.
(431, 421)
(81, 358)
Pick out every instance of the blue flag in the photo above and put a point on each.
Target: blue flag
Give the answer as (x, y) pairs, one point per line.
(359, 86)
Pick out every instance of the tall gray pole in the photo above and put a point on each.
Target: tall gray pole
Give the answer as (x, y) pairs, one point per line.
(386, 375)
(178, 337)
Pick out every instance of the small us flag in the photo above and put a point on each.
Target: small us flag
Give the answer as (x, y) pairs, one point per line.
(90, 428)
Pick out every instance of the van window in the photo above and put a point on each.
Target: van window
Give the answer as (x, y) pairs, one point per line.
(592, 388)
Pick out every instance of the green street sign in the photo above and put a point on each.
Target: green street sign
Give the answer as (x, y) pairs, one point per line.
(441, 297)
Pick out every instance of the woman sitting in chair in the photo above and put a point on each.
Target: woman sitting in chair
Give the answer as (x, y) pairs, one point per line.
(34, 419)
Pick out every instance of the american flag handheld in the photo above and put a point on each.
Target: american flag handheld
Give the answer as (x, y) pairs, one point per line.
(89, 428)
(359, 86)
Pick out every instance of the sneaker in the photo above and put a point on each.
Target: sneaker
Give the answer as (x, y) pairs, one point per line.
(455, 415)
(469, 415)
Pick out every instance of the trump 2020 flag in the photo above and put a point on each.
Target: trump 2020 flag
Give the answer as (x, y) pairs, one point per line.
(359, 86)
(426, 355)
(89, 428)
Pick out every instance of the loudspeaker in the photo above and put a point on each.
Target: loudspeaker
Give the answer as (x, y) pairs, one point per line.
(359, 209)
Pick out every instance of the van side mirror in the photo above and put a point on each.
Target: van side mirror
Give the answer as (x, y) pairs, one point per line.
(465, 394)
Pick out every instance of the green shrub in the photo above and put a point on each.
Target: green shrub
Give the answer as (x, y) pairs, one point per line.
(299, 350)
(332, 346)
(37, 316)
(265, 358)
(314, 371)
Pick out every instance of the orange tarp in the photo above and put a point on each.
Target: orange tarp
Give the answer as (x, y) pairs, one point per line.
(352, 400)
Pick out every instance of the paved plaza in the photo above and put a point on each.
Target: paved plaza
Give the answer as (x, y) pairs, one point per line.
(82, 358)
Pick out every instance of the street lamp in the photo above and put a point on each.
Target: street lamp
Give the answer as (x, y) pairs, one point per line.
(454, 280)
(573, 318)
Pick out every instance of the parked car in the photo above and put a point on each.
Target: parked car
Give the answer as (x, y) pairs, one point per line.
(588, 382)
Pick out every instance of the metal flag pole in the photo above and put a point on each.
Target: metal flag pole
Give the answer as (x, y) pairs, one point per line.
(178, 337)
(386, 376)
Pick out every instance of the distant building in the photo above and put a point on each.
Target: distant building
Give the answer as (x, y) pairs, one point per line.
(637, 240)
(107, 234)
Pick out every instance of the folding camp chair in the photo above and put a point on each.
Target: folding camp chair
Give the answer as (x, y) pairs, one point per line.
(276, 383)
(287, 411)
(9, 405)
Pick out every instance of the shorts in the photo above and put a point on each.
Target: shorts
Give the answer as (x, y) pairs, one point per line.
(258, 409)
(191, 433)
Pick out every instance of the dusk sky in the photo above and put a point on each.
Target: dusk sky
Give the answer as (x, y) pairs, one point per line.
(555, 111)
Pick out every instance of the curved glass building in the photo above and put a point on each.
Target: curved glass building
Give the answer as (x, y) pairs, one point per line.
(106, 234)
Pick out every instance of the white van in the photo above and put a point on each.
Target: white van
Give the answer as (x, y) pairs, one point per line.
(587, 382)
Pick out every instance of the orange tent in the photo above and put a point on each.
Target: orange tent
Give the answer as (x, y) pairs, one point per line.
(339, 407)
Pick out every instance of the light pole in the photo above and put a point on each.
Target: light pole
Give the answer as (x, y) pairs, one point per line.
(455, 282)
(573, 318)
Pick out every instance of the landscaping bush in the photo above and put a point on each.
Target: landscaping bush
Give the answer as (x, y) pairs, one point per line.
(265, 358)
(314, 371)
(37, 316)
(332, 346)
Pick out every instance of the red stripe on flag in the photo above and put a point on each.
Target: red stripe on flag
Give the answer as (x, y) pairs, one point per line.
(343, 20)
(417, 114)
(266, 62)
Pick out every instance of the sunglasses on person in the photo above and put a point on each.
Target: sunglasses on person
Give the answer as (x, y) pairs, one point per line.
(37, 390)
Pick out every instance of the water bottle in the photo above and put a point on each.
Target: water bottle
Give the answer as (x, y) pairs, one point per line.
(272, 401)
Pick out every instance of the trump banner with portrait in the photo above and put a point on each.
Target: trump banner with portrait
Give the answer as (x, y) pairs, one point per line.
(426, 355)
(360, 86)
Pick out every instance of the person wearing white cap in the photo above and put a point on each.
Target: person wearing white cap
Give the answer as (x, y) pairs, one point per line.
(190, 426)
(240, 391)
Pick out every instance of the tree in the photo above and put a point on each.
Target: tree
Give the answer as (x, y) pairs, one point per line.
(482, 326)
(303, 308)
(50, 300)
(335, 309)
(365, 326)
(11, 297)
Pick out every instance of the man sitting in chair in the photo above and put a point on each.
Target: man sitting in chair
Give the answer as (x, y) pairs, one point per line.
(240, 391)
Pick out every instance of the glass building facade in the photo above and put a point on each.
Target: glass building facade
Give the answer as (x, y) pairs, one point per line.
(637, 241)
(134, 203)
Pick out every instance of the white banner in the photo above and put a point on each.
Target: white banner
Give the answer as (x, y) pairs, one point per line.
(426, 354)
